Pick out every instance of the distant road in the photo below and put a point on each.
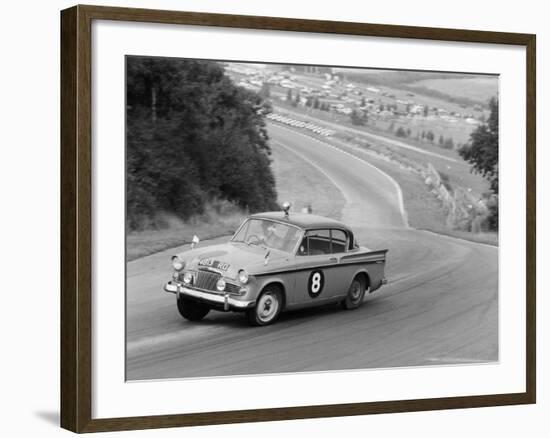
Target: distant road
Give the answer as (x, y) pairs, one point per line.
(381, 208)
(440, 306)
(379, 138)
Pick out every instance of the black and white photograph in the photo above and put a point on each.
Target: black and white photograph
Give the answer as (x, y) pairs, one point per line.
(288, 218)
(272, 219)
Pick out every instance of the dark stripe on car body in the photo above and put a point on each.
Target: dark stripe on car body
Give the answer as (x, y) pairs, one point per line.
(334, 265)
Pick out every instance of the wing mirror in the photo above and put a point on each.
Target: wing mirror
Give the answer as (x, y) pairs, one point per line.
(194, 241)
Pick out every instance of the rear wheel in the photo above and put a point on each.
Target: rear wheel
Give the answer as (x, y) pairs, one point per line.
(267, 308)
(191, 310)
(356, 293)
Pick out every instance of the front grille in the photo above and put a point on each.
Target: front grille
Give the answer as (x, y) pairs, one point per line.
(206, 280)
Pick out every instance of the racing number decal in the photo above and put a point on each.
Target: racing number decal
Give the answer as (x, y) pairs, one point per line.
(315, 283)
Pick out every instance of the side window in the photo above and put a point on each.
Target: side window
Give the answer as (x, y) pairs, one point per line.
(339, 241)
(318, 242)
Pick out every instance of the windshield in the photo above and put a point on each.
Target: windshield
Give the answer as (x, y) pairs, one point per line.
(268, 234)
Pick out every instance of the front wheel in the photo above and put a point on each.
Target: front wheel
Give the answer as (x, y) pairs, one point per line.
(356, 293)
(267, 308)
(191, 310)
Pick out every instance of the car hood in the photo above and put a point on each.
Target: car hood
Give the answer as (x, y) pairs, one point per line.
(229, 258)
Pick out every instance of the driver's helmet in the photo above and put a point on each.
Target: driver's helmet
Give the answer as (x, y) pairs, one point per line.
(268, 229)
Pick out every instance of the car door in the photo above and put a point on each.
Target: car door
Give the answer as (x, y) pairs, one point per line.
(340, 275)
(316, 277)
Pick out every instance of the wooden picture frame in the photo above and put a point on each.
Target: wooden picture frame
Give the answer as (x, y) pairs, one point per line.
(76, 217)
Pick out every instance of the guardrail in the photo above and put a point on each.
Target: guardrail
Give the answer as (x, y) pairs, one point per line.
(316, 129)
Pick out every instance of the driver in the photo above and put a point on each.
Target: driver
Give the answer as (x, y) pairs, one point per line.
(268, 231)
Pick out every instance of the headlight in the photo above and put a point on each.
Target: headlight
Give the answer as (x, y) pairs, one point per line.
(220, 285)
(177, 264)
(243, 276)
(188, 278)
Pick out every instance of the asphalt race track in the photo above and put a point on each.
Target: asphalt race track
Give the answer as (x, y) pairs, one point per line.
(439, 307)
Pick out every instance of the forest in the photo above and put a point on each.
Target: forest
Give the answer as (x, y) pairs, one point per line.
(192, 137)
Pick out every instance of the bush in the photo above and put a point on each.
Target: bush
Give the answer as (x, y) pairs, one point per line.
(445, 180)
(448, 143)
(401, 132)
(356, 119)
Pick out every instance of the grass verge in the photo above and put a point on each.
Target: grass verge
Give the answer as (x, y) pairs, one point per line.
(301, 184)
(424, 210)
(219, 219)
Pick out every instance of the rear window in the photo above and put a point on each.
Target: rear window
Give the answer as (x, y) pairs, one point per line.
(319, 242)
(339, 241)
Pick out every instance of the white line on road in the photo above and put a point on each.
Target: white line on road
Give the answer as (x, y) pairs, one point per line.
(396, 185)
(446, 236)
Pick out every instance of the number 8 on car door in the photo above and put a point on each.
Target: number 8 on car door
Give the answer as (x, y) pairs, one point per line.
(317, 259)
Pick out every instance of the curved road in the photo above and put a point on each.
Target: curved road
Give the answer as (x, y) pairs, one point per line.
(440, 306)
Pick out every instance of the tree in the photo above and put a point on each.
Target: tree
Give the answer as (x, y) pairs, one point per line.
(192, 136)
(265, 91)
(482, 153)
(441, 140)
(482, 150)
(356, 119)
(296, 100)
(400, 132)
(430, 136)
(448, 143)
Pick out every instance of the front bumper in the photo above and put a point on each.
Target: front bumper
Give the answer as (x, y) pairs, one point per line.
(217, 300)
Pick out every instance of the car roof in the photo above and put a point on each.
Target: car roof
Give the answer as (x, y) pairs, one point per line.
(302, 220)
